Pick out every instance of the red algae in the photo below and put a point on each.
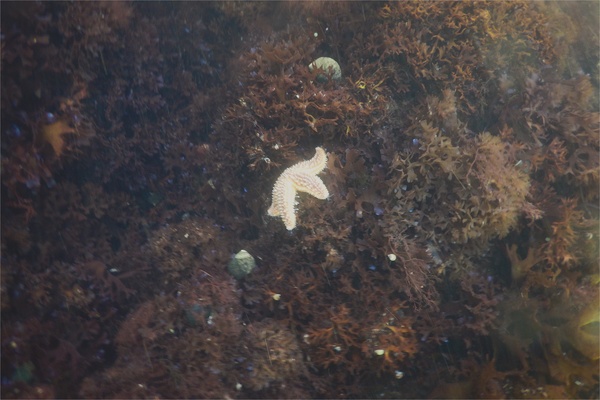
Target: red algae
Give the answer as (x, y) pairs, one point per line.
(456, 255)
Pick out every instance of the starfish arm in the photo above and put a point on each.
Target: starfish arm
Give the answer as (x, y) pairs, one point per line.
(284, 199)
(313, 166)
(309, 183)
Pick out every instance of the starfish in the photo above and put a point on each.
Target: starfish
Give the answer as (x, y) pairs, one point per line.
(301, 177)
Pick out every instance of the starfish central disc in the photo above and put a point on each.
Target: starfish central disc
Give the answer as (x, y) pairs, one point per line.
(301, 177)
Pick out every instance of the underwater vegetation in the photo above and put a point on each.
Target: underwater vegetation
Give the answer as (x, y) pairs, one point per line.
(456, 255)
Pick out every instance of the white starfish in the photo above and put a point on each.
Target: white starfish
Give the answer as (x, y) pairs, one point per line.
(301, 177)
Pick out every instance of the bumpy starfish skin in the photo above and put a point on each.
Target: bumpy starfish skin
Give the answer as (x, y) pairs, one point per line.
(301, 177)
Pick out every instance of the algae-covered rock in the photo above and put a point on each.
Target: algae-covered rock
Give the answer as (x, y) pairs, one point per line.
(241, 265)
(328, 65)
